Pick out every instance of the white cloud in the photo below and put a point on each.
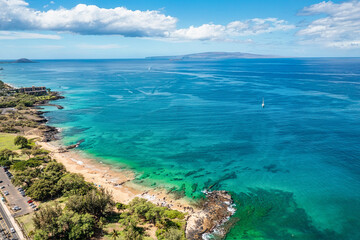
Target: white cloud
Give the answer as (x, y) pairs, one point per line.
(232, 30)
(92, 20)
(47, 5)
(85, 19)
(102, 46)
(8, 35)
(339, 28)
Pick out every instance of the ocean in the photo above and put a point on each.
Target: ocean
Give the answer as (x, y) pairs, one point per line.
(293, 167)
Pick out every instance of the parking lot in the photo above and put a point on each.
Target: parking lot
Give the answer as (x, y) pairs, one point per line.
(14, 198)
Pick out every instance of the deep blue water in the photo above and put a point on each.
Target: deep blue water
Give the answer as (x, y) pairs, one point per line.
(293, 166)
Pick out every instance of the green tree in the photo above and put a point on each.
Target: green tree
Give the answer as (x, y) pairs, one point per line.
(95, 202)
(174, 234)
(45, 220)
(120, 206)
(26, 152)
(42, 189)
(52, 222)
(80, 226)
(41, 235)
(5, 154)
(28, 176)
(54, 171)
(36, 150)
(133, 232)
(21, 141)
(72, 183)
(115, 234)
(154, 214)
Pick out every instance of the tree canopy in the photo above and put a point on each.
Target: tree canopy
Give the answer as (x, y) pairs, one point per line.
(21, 141)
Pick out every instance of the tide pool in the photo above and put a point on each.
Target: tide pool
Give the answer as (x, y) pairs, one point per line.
(293, 166)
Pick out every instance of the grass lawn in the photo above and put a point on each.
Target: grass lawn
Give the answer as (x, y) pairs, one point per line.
(26, 222)
(7, 141)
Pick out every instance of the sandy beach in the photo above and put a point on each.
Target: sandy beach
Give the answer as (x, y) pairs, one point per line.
(119, 182)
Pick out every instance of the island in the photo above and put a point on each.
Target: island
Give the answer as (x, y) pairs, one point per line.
(21, 60)
(213, 56)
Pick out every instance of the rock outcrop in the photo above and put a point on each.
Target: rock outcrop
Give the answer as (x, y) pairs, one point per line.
(49, 133)
(216, 210)
(65, 149)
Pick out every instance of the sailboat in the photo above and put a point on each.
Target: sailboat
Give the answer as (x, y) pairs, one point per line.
(263, 103)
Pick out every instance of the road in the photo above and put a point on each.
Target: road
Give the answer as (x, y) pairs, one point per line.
(5, 225)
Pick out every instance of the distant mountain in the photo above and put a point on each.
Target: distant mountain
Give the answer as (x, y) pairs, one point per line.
(213, 56)
(23, 60)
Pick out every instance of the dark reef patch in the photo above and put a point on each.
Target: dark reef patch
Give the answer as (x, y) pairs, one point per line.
(273, 168)
(274, 215)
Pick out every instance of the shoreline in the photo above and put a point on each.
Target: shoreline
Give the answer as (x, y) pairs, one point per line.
(202, 218)
(118, 181)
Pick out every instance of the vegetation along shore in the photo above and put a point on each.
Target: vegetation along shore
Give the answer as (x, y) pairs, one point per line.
(76, 197)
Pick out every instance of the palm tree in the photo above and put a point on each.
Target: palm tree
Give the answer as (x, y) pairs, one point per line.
(115, 234)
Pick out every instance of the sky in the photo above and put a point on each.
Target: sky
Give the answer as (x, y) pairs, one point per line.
(88, 29)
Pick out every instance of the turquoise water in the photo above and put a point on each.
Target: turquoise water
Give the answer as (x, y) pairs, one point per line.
(293, 166)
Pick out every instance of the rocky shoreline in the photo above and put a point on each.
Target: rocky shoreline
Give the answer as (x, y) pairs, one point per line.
(216, 210)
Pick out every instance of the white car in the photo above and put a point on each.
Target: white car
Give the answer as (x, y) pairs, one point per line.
(12, 230)
(17, 208)
(2, 187)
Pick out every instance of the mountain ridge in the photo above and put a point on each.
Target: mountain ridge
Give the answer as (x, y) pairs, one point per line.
(214, 56)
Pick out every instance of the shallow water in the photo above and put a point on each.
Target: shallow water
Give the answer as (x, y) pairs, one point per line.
(294, 165)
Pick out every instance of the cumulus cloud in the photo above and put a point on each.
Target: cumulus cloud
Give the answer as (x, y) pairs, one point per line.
(232, 30)
(9, 35)
(93, 20)
(339, 28)
(85, 19)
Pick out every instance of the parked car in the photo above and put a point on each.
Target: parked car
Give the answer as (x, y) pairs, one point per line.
(6, 193)
(31, 204)
(17, 208)
(34, 206)
(12, 230)
(2, 187)
(30, 201)
(1, 181)
(3, 199)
